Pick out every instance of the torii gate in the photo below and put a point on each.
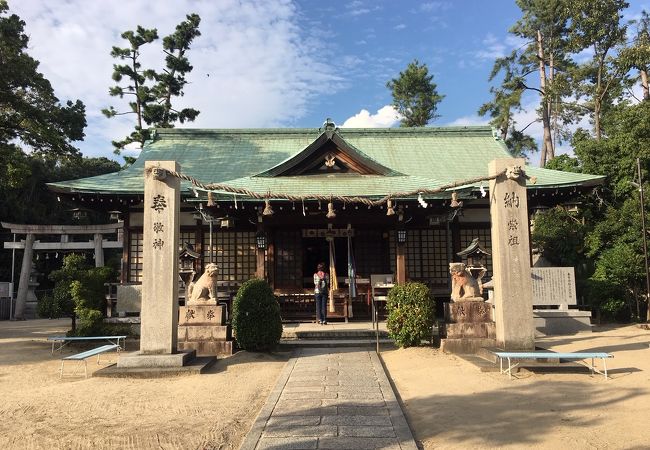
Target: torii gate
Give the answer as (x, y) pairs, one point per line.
(29, 245)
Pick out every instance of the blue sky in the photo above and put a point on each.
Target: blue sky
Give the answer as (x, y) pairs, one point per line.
(281, 63)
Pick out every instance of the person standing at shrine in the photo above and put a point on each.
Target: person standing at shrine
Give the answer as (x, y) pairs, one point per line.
(321, 289)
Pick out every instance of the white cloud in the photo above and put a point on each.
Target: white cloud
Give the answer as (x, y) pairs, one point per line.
(253, 65)
(400, 26)
(467, 121)
(494, 47)
(385, 117)
(435, 6)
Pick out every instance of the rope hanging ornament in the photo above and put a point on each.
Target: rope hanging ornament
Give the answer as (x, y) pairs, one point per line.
(390, 211)
(331, 214)
(210, 199)
(268, 211)
(342, 198)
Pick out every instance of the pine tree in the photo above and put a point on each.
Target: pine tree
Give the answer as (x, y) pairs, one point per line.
(135, 78)
(171, 81)
(415, 95)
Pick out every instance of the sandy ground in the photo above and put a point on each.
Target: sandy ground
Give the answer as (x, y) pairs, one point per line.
(37, 410)
(450, 404)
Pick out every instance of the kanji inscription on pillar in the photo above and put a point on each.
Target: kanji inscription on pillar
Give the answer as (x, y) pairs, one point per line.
(511, 255)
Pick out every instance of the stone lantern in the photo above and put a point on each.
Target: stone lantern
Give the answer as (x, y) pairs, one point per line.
(475, 256)
(187, 266)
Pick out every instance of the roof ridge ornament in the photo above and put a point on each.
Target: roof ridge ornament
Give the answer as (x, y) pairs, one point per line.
(329, 127)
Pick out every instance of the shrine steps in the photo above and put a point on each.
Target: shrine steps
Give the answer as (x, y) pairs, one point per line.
(333, 335)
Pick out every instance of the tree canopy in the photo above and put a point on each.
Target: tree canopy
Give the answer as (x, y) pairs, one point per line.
(31, 116)
(150, 93)
(415, 95)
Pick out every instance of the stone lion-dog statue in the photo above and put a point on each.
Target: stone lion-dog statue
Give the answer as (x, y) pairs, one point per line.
(464, 287)
(204, 291)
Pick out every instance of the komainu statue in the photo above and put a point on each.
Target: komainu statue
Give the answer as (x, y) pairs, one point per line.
(464, 287)
(204, 291)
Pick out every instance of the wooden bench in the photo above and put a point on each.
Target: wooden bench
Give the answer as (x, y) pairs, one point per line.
(65, 340)
(81, 357)
(575, 356)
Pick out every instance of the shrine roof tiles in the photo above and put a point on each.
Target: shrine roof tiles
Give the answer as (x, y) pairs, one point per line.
(420, 157)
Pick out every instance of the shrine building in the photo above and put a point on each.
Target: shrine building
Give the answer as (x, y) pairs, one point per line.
(291, 198)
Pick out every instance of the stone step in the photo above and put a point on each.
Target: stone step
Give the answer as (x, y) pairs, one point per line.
(333, 334)
(331, 343)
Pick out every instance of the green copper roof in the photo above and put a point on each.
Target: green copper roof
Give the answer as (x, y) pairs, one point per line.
(418, 158)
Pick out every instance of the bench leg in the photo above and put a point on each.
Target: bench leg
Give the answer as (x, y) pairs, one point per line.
(509, 369)
(605, 367)
(61, 371)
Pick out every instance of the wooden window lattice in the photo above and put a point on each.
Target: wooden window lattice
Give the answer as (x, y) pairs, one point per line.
(136, 245)
(288, 259)
(234, 252)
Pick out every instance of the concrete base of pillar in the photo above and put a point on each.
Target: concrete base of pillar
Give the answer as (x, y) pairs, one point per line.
(137, 359)
(208, 348)
(554, 322)
(465, 346)
(194, 367)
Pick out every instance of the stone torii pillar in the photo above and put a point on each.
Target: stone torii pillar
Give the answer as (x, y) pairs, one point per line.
(99, 250)
(513, 291)
(23, 284)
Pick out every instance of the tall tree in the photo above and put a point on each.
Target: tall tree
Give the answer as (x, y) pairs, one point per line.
(31, 116)
(637, 56)
(596, 26)
(505, 103)
(135, 87)
(415, 95)
(171, 81)
(539, 65)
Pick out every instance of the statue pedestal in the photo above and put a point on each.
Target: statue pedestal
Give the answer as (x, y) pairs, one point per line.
(203, 328)
(468, 327)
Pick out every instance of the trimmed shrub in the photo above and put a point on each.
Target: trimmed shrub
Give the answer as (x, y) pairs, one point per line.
(410, 314)
(256, 317)
(78, 293)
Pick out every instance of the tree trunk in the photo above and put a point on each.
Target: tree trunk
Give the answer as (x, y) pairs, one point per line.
(598, 100)
(547, 144)
(644, 84)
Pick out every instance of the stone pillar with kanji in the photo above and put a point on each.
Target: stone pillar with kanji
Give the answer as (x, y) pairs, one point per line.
(159, 314)
(513, 294)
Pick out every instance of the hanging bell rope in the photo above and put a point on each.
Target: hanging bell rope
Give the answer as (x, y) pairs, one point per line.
(390, 211)
(454, 201)
(268, 211)
(210, 199)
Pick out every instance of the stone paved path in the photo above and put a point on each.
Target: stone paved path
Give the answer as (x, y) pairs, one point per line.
(331, 398)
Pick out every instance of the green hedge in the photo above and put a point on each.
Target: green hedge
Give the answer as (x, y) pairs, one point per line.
(410, 314)
(256, 317)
